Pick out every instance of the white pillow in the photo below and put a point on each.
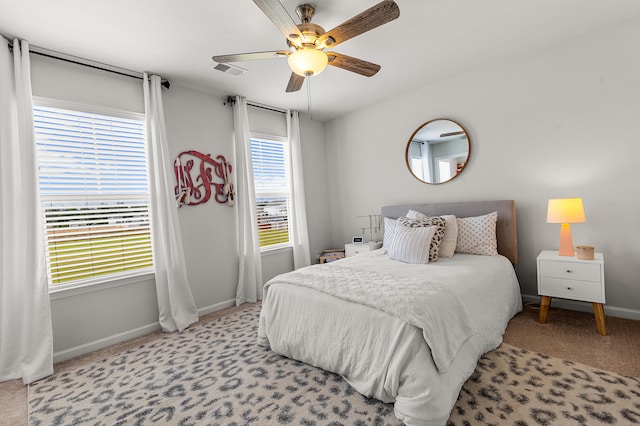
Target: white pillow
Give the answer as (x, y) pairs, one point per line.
(477, 235)
(450, 239)
(389, 229)
(412, 214)
(411, 245)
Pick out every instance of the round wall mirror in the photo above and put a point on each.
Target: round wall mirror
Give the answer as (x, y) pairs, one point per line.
(438, 151)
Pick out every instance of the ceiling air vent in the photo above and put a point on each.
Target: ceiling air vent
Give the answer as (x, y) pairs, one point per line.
(230, 69)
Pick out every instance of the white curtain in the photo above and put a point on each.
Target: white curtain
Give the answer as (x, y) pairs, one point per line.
(250, 263)
(175, 301)
(26, 338)
(298, 215)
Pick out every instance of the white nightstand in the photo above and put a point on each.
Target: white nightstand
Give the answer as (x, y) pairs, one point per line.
(571, 278)
(351, 249)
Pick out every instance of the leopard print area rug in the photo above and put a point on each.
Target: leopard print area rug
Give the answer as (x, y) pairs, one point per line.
(215, 374)
(513, 386)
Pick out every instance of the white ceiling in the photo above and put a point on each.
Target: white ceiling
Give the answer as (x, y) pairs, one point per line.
(431, 39)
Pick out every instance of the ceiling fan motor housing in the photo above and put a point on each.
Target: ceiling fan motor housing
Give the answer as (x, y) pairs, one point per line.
(310, 33)
(305, 12)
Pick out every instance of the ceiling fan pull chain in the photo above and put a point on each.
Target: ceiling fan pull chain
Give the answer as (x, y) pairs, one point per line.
(309, 97)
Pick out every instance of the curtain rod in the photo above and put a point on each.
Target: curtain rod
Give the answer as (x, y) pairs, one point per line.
(87, 63)
(231, 100)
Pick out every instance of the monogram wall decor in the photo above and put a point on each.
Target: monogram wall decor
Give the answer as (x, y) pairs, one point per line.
(199, 176)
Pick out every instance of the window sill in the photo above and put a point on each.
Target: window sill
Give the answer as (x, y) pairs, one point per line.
(276, 250)
(56, 293)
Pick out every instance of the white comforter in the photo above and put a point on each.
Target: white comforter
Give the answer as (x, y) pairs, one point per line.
(381, 355)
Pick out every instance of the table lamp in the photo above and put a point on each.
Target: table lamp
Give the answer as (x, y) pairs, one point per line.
(565, 211)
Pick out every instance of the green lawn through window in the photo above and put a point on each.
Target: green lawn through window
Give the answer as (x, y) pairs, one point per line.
(269, 237)
(89, 257)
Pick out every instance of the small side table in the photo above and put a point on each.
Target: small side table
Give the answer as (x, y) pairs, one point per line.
(568, 277)
(332, 255)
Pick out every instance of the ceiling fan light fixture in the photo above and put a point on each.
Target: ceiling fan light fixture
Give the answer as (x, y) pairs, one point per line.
(308, 61)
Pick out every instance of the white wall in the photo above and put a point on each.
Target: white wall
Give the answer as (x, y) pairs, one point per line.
(559, 123)
(199, 121)
(85, 320)
(318, 191)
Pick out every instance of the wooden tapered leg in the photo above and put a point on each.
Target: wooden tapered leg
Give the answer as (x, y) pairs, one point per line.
(598, 312)
(544, 309)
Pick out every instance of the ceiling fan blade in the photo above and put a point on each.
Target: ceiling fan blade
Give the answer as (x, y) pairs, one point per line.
(380, 14)
(279, 16)
(295, 83)
(352, 64)
(446, 135)
(251, 56)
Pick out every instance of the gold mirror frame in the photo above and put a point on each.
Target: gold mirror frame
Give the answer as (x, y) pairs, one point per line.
(451, 144)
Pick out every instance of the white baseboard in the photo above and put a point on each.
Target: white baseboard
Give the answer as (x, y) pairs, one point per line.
(128, 335)
(574, 305)
(216, 307)
(103, 343)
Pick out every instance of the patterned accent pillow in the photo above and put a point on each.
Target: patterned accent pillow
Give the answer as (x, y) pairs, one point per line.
(389, 230)
(438, 222)
(411, 245)
(450, 239)
(477, 235)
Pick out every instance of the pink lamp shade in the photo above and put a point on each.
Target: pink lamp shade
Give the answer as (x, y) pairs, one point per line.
(565, 211)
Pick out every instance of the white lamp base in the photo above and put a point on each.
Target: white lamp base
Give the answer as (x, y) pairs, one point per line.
(566, 242)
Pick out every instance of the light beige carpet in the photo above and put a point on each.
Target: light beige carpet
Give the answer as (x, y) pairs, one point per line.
(214, 373)
(573, 336)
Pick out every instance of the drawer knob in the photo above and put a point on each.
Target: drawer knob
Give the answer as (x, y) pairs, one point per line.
(569, 271)
(569, 288)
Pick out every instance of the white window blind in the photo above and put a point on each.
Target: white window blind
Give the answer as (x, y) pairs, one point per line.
(94, 189)
(271, 177)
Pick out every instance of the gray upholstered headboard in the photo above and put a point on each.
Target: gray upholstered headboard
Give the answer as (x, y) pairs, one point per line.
(505, 228)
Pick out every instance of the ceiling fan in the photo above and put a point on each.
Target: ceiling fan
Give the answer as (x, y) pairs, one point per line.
(307, 41)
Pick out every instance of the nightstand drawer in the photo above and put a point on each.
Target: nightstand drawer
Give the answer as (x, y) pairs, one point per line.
(352, 249)
(588, 291)
(571, 270)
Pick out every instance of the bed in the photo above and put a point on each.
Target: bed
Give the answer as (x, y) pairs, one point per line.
(404, 333)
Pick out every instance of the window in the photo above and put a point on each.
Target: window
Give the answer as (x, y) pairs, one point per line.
(271, 176)
(444, 169)
(92, 172)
